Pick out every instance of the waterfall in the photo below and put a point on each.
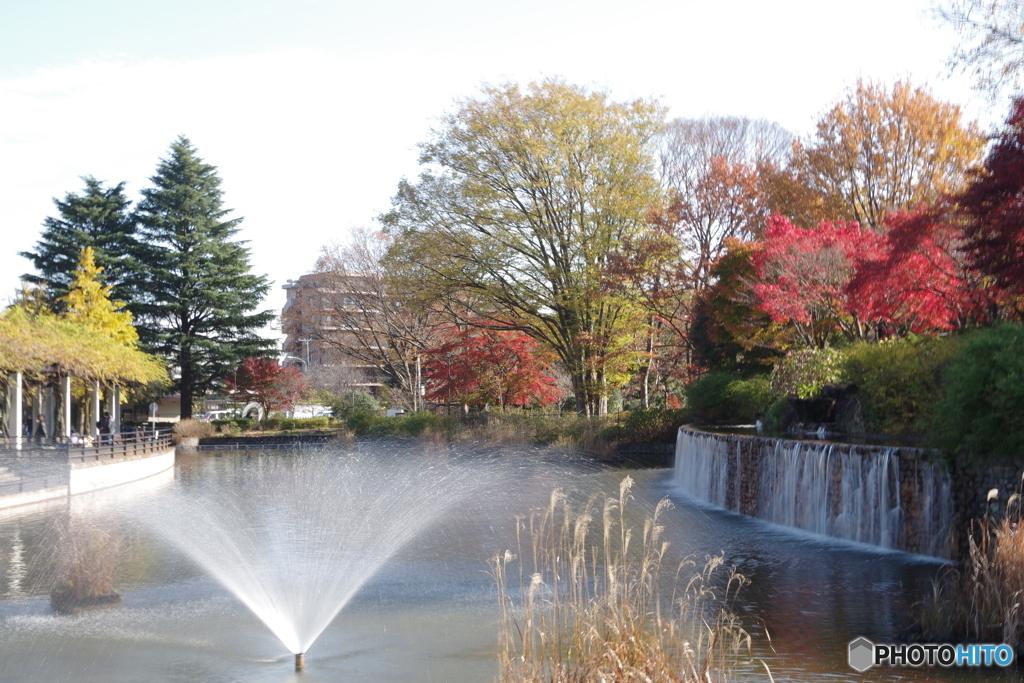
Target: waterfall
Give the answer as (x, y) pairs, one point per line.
(858, 493)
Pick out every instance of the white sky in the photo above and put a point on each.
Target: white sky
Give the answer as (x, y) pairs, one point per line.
(312, 109)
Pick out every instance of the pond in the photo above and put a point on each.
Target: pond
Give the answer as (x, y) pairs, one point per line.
(429, 612)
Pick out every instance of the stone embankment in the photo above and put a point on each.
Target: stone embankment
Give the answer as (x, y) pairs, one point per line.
(893, 497)
(33, 476)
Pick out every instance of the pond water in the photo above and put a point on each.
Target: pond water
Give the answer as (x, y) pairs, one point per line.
(429, 613)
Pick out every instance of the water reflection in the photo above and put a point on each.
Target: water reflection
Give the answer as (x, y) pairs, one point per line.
(430, 613)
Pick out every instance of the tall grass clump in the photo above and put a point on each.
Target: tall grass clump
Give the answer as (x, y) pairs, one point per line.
(189, 428)
(594, 606)
(983, 601)
(86, 558)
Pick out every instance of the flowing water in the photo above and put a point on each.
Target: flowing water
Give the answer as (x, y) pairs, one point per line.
(428, 610)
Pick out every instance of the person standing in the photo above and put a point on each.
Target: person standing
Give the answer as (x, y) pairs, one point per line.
(103, 425)
(41, 434)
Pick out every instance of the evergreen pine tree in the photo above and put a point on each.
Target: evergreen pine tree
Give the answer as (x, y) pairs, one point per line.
(100, 218)
(198, 293)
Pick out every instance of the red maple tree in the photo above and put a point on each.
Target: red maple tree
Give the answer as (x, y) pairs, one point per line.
(803, 276)
(917, 278)
(992, 206)
(490, 367)
(265, 382)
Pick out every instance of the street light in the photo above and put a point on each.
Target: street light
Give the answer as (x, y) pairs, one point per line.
(449, 403)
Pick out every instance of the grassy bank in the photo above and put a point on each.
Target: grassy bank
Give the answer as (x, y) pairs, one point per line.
(594, 435)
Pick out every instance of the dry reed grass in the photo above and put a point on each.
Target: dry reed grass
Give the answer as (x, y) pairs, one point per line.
(593, 609)
(984, 599)
(184, 429)
(87, 558)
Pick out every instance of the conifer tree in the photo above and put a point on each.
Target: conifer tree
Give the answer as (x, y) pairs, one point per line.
(198, 293)
(99, 217)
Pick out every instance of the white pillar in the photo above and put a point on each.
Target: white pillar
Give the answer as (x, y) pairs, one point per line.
(14, 398)
(65, 390)
(115, 410)
(50, 413)
(95, 416)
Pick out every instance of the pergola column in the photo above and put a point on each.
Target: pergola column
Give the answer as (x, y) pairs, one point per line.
(115, 410)
(65, 391)
(14, 401)
(95, 416)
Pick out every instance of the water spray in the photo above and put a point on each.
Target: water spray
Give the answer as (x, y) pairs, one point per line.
(300, 661)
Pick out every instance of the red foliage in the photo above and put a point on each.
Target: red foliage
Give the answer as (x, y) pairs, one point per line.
(264, 381)
(488, 367)
(918, 278)
(804, 274)
(993, 206)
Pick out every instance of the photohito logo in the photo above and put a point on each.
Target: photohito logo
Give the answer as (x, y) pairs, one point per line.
(864, 654)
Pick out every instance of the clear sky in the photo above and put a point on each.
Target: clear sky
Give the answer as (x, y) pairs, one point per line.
(312, 109)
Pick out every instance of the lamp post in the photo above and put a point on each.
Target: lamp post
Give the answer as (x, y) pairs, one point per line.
(306, 340)
(448, 356)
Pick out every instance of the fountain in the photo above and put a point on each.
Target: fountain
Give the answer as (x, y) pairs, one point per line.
(301, 537)
(295, 538)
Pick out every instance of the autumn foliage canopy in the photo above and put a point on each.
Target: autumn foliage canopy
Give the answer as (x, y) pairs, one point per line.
(265, 382)
(490, 367)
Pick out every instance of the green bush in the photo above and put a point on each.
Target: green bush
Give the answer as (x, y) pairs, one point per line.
(245, 423)
(899, 381)
(773, 415)
(648, 426)
(720, 396)
(803, 373)
(982, 412)
(349, 402)
(414, 424)
(361, 422)
(271, 424)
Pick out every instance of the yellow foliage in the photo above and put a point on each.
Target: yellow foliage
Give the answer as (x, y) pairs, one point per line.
(90, 306)
(44, 344)
(877, 150)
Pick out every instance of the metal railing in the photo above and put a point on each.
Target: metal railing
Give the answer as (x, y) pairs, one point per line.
(242, 447)
(108, 446)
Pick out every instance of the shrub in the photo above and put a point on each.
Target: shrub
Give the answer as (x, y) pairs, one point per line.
(803, 373)
(229, 428)
(982, 410)
(245, 423)
(899, 381)
(419, 423)
(271, 424)
(648, 426)
(190, 428)
(720, 396)
(773, 415)
(352, 401)
(361, 422)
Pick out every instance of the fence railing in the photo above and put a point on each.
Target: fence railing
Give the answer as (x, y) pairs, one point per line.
(110, 446)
